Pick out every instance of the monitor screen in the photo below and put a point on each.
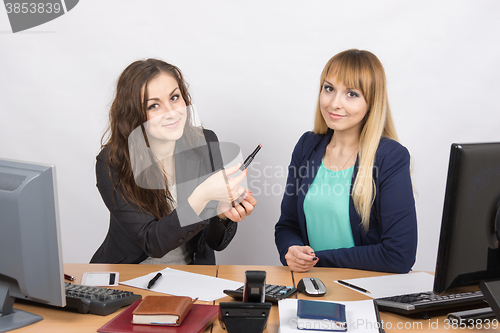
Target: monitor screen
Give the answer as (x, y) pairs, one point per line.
(468, 246)
(31, 266)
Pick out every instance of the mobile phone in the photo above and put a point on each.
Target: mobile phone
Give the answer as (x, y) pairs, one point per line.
(102, 279)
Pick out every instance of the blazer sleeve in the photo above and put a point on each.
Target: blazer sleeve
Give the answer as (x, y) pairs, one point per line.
(218, 235)
(154, 236)
(287, 230)
(391, 242)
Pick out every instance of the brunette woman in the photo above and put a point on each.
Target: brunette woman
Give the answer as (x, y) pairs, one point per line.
(162, 178)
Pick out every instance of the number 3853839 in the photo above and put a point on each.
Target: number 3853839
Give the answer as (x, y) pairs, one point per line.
(32, 8)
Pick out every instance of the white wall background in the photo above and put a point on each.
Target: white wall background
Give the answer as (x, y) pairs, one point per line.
(253, 69)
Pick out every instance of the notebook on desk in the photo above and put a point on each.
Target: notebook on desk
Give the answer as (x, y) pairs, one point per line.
(361, 316)
(198, 319)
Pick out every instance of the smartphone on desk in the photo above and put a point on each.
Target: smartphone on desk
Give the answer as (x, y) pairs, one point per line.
(101, 279)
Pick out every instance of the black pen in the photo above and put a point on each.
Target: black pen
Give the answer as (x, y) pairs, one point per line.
(353, 286)
(250, 158)
(153, 280)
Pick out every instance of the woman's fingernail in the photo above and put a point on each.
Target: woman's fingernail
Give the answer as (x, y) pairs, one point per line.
(315, 258)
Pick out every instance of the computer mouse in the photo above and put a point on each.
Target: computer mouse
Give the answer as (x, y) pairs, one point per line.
(311, 286)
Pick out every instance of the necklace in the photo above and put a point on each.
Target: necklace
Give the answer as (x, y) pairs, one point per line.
(342, 168)
(166, 176)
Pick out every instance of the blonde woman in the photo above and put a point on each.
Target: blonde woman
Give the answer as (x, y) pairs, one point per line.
(349, 198)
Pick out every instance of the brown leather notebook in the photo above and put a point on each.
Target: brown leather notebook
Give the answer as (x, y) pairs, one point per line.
(162, 310)
(198, 319)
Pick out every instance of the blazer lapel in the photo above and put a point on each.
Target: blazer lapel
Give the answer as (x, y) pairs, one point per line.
(307, 172)
(354, 218)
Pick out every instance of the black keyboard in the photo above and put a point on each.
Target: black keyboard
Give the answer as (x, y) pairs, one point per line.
(274, 292)
(428, 301)
(97, 300)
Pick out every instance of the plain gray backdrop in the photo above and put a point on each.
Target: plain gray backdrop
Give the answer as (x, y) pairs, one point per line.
(253, 68)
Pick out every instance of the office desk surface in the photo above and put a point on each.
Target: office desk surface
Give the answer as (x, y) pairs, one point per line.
(61, 320)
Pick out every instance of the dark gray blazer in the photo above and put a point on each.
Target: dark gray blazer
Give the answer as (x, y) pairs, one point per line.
(134, 235)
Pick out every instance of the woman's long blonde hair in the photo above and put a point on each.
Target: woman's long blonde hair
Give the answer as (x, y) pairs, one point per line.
(362, 70)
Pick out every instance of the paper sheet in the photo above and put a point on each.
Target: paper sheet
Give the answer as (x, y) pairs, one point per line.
(360, 316)
(179, 283)
(392, 285)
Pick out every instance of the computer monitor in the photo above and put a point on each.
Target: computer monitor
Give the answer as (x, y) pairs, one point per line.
(31, 266)
(470, 231)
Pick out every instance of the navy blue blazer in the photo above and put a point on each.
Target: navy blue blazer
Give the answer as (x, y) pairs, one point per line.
(390, 244)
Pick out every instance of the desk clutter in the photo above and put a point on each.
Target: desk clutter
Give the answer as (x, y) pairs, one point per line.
(164, 313)
(250, 311)
(177, 313)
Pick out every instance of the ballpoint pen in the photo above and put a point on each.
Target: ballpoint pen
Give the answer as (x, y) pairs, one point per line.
(153, 280)
(69, 277)
(353, 286)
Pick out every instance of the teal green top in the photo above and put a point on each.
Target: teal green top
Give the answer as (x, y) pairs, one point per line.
(326, 207)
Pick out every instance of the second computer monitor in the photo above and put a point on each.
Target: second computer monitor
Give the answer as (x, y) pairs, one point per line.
(469, 242)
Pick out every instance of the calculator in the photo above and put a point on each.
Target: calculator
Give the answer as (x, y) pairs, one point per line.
(273, 292)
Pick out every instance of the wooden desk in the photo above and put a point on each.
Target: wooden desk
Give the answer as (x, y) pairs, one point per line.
(60, 320)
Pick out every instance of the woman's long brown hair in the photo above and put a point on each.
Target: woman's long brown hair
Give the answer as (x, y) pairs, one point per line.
(128, 112)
